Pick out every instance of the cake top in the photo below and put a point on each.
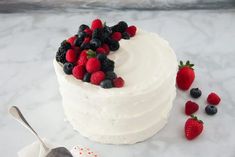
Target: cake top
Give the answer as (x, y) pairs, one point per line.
(84, 55)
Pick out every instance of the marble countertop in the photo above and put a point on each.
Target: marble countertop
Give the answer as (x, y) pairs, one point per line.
(28, 42)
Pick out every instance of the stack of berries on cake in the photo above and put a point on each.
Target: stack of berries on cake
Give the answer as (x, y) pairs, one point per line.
(84, 55)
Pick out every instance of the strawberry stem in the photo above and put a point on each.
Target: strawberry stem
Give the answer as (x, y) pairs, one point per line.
(187, 64)
(195, 117)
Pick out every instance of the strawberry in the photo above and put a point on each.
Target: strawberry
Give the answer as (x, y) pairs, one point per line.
(97, 77)
(97, 23)
(193, 127)
(213, 99)
(118, 82)
(116, 36)
(191, 107)
(71, 56)
(93, 65)
(131, 30)
(78, 71)
(185, 76)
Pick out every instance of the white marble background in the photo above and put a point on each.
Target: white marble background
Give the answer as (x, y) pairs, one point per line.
(28, 43)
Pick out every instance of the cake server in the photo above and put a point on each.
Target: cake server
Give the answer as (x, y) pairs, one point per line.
(55, 152)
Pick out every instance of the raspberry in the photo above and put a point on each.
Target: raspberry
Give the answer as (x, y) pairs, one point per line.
(118, 82)
(83, 53)
(213, 99)
(100, 50)
(88, 31)
(86, 40)
(97, 23)
(106, 47)
(97, 77)
(71, 56)
(131, 31)
(93, 65)
(79, 72)
(82, 60)
(116, 36)
(71, 40)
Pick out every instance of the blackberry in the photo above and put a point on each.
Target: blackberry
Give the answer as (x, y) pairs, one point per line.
(68, 67)
(106, 84)
(107, 65)
(82, 27)
(87, 77)
(95, 43)
(113, 45)
(65, 45)
(110, 75)
(122, 26)
(78, 41)
(125, 35)
(61, 53)
(101, 57)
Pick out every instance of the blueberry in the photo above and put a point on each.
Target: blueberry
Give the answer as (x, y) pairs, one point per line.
(81, 35)
(101, 57)
(195, 92)
(83, 27)
(107, 65)
(68, 67)
(110, 75)
(125, 35)
(97, 33)
(113, 45)
(84, 46)
(65, 45)
(78, 41)
(87, 77)
(211, 109)
(106, 84)
(95, 43)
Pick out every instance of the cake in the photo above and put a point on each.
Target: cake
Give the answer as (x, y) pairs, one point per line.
(134, 112)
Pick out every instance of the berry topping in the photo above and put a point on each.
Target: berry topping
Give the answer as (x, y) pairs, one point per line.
(116, 36)
(118, 82)
(68, 67)
(71, 56)
(193, 127)
(125, 35)
(97, 23)
(78, 72)
(97, 77)
(78, 41)
(131, 31)
(101, 57)
(211, 109)
(106, 47)
(100, 50)
(106, 84)
(110, 75)
(87, 77)
(113, 45)
(213, 99)
(95, 43)
(122, 26)
(195, 92)
(185, 75)
(93, 65)
(191, 107)
(71, 40)
(88, 32)
(83, 27)
(107, 65)
(82, 60)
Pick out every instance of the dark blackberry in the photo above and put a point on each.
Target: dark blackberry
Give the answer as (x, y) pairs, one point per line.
(82, 27)
(106, 84)
(122, 26)
(68, 67)
(60, 56)
(65, 45)
(107, 65)
(125, 35)
(78, 41)
(101, 57)
(95, 43)
(110, 75)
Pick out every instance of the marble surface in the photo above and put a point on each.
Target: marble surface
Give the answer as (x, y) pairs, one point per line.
(28, 43)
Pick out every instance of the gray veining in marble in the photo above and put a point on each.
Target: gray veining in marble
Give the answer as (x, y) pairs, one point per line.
(28, 43)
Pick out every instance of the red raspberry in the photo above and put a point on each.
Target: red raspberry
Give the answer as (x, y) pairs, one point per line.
(83, 53)
(101, 50)
(88, 31)
(97, 77)
(79, 71)
(97, 23)
(86, 40)
(71, 40)
(116, 36)
(118, 82)
(213, 99)
(93, 65)
(191, 107)
(106, 47)
(131, 30)
(82, 60)
(71, 56)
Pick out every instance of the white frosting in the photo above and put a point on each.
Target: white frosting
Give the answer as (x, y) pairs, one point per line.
(130, 114)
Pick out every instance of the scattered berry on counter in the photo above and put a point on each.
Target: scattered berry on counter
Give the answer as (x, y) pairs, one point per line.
(68, 68)
(106, 84)
(79, 72)
(118, 82)
(97, 77)
(191, 107)
(213, 99)
(211, 109)
(195, 92)
(185, 75)
(193, 127)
